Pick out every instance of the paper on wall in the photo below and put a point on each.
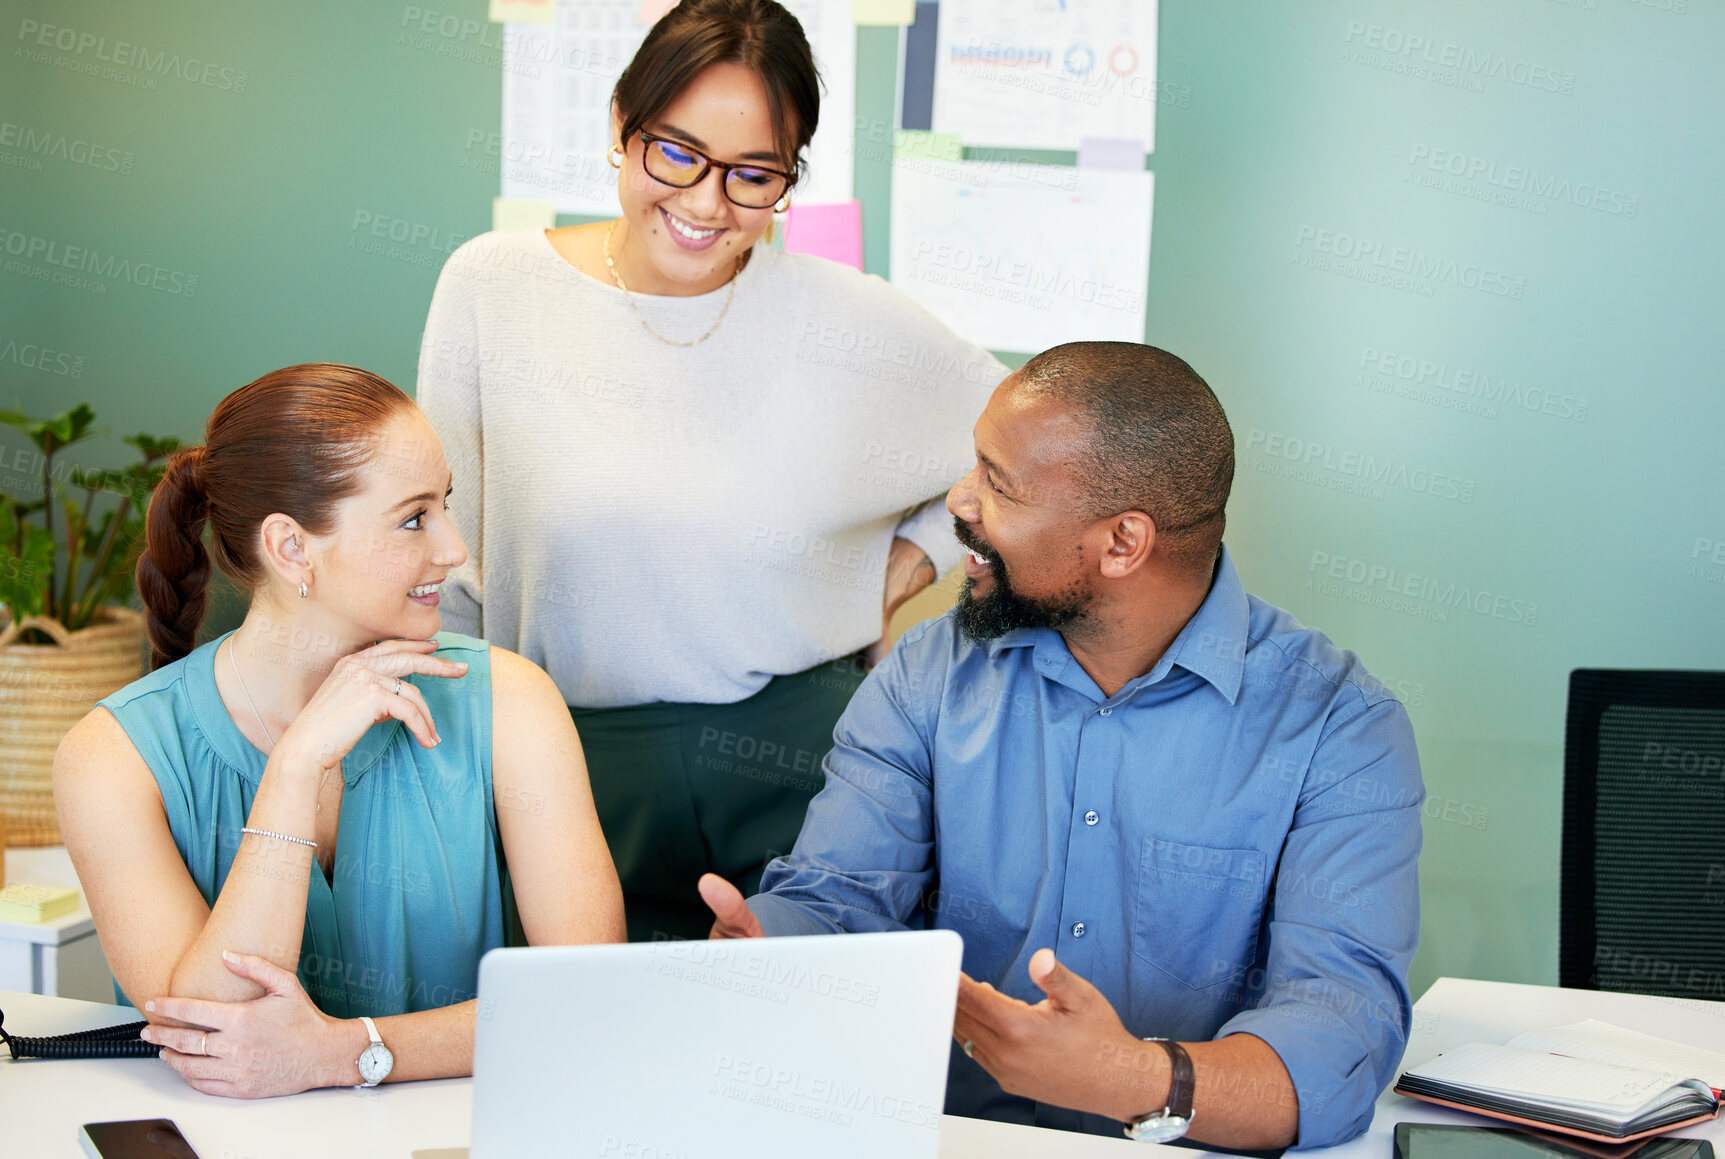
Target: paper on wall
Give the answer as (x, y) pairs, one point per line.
(1023, 257)
(1108, 153)
(507, 213)
(883, 11)
(1044, 74)
(911, 144)
(557, 82)
(525, 11)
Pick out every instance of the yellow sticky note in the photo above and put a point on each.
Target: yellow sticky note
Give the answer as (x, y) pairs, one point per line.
(883, 11)
(523, 11)
(36, 903)
(926, 146)
(514, 213)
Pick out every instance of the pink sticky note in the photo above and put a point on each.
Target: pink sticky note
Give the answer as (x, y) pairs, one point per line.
(833, 230)
(651, 10)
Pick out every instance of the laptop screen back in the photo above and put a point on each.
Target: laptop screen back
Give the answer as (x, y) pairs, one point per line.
(831, 1046)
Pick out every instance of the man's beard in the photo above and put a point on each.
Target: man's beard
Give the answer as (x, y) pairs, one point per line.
(1003, 610)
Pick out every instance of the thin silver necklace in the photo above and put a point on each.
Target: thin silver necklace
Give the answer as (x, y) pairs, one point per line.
(265, 727)
(618, 278)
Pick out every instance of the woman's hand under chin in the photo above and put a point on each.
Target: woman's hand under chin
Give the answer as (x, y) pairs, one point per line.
(362, 689)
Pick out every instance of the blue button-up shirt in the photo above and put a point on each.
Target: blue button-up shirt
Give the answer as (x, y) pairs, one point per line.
(1228, 844)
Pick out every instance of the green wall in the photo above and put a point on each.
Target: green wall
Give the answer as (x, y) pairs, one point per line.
(1566, 523)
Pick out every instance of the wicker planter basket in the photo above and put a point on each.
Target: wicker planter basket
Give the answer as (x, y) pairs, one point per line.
(44, 690)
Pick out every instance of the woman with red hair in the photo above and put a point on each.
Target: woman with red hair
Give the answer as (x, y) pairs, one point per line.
(299, 838)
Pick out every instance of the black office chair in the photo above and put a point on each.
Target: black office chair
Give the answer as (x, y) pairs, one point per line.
(1643, 878)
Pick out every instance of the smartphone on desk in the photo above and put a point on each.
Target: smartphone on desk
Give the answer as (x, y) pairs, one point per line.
(1449, 1141)
(135, 1139)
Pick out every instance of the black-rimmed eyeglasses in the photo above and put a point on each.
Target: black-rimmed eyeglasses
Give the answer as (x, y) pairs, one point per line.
(682, 166)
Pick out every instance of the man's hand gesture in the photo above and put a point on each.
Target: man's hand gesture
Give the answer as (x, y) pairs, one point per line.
(733, 919)
(1061, 1050)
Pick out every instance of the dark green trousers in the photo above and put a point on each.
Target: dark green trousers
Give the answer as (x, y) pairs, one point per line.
(687, 789)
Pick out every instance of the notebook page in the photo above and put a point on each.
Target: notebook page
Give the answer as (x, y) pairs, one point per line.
(1573, 1083)
(1603, 1042)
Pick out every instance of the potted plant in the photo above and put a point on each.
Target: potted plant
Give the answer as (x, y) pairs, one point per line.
(66, 540)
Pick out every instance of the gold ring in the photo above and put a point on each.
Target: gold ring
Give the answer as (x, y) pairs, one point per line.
(204, 1045)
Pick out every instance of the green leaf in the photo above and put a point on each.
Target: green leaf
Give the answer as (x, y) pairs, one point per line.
(70, 426)
(117, 482)
(52, 434)
(153, 448)
(24, 579)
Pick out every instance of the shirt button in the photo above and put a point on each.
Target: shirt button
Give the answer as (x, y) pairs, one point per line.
(1104, 712)
(1078, 929)
(1091, 818)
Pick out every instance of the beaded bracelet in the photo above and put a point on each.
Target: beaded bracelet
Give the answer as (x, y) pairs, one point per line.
(280, 837)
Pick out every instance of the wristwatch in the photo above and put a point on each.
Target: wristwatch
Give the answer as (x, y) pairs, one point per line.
(1175, 1119)
(376, 1062)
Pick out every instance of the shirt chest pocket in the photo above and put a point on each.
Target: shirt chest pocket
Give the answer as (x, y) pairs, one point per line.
(1197, 910)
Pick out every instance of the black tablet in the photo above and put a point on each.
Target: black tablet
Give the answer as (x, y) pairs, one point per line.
(1444, 1141)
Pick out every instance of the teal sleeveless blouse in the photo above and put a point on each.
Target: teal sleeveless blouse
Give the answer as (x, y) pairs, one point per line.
(420, 891)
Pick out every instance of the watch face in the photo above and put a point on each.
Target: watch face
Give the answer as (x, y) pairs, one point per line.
(1161, 1129)
(376, 1063)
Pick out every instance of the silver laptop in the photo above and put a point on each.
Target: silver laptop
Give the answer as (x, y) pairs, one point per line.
(833, 1046)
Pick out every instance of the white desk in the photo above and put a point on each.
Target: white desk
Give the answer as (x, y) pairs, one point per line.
(42, 1104)
(61, 956)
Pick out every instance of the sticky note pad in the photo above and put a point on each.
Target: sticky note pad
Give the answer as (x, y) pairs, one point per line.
(36, 903)
(523, 11)
(909, 143)
(830, 231)
(514, 213)
(883, 11)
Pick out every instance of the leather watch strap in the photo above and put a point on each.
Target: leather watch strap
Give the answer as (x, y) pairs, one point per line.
(1181, 1083)
(1174, 1119)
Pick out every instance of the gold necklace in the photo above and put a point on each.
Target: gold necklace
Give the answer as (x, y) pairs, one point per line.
(266, 728)
(618, 278)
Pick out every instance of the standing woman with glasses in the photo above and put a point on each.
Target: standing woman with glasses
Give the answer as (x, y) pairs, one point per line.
(708, 471)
